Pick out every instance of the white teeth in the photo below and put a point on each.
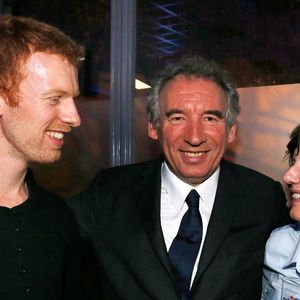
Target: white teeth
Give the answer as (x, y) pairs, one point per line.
(193, 154)
(296, 196)
(56, 135)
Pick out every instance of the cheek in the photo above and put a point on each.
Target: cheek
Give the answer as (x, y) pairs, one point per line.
(48, 113)
(218, 137)
(171, 134)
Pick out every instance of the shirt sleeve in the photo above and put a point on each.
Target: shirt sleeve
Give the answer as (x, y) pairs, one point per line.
(72, 279)
(85, 207)
(279, 261)
(271, 285)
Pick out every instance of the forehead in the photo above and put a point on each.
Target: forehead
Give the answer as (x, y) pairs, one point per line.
(183, 89)
(48, 67)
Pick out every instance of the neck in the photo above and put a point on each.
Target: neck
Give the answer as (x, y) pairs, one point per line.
(13, 190)
(13, 168)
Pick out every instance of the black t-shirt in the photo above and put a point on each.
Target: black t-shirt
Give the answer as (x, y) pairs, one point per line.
(39, 249)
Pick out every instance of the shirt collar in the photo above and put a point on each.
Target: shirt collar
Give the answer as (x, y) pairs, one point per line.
(178, 190)
(295, 258)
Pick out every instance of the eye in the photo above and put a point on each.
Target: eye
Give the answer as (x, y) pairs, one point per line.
(55, 100)
(175, 119)
(211, 119)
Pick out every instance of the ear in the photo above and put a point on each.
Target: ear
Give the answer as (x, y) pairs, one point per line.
(232, 134)
(152, 131)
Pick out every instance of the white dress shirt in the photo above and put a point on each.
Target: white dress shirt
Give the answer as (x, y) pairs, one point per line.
(282, 264)
(173, 206)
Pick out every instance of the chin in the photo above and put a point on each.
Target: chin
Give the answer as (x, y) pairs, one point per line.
(47, 158)
(53, 159)
(295, 214)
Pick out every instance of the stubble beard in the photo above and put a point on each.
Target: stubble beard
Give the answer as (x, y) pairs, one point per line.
(32, 149)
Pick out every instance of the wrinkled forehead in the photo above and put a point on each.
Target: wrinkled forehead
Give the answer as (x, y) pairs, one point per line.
(193, 89)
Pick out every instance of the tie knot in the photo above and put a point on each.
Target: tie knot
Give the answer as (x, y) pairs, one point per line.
(192, 199)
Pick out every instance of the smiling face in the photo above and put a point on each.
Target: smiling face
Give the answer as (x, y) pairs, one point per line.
(292, 179)
(192, 127)
(35, 129)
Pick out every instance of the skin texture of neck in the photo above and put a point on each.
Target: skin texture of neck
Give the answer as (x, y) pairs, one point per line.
(13, 190)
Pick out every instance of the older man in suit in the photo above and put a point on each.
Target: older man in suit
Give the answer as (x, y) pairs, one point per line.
(190, 225)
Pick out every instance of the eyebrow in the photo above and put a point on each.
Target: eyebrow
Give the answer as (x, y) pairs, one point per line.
(216, 113)
(59, 91)
(174, 111)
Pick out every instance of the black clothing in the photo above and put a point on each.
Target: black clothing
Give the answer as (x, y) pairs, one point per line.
(120, 216)
(39, 251)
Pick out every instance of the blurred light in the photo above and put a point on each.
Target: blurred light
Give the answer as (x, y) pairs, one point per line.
(140, 85)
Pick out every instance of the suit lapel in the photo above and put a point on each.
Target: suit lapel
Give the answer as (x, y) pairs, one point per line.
(225, 208)
(148, 199)
(226, 205)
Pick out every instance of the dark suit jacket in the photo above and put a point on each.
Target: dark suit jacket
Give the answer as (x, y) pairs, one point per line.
(120, 215)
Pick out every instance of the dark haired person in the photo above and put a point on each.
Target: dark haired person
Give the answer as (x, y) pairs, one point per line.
(38, 234)
(190, 225)
(281, 277)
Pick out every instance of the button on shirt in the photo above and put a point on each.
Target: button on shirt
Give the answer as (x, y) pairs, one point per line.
(282, 260)
(39, 249)
(173, 194)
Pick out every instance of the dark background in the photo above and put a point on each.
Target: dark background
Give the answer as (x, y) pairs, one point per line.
(257, 41)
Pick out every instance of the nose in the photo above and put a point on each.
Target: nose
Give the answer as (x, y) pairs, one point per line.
(69, 113)
(291, 176)
(194, 133)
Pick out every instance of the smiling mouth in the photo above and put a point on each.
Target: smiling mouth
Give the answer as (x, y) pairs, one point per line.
(55, 135)
(296, 196)
(194, 154)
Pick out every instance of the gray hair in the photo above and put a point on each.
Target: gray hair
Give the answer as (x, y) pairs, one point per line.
(198, 67)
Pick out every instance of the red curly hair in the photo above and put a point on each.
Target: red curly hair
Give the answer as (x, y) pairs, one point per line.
(20, 37)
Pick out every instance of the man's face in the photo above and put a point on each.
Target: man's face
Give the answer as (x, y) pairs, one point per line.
(292, 179)
(192, 128)
(35, 129)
